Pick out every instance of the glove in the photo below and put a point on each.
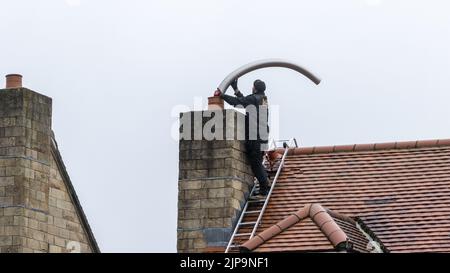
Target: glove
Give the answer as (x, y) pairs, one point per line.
(234, 84)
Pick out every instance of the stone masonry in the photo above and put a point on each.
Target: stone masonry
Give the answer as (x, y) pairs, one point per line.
(37, 213)
(214, 182)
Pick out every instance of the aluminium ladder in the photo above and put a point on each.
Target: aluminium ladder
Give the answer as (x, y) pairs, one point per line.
(287, 144)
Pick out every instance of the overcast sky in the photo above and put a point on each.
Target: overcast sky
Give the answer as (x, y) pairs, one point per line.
(115, 70)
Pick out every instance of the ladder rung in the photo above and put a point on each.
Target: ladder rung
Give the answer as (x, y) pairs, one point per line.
(254, 197)
(247, 223)
(252, 211)
(242, 234)
(257, 201)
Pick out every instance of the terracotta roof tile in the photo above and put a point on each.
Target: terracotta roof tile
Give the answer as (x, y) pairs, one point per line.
(364, 147)
(405, 145)
(344, 148)
(289, 221)
(270, 233)
(323, 149)
(398, 192)
(443, 142)
(254, 243)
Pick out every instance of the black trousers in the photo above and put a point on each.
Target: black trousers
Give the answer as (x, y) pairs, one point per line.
(255, 157)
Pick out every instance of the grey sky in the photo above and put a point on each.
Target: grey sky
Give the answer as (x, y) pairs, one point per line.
(115, 69)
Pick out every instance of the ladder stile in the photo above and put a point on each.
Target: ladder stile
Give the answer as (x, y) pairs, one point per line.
(291, 143)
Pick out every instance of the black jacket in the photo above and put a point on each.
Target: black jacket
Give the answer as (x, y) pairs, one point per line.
(257, 114)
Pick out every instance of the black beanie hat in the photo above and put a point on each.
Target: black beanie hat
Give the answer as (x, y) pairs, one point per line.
(259, 85)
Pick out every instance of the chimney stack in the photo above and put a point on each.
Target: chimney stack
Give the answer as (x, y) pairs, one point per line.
(38, 209)
(13, 81)
(215, 177)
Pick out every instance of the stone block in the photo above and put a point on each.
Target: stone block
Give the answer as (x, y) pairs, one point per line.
(7, 141)
(64, 233)
(60, 242)
(62, 204)
(20, 221)
(56, 212)
(238, 194)
(55, 249)
(14, 131)
(212, 203)
(38, 235)
(33, 223)
(190, 184)
(69, 215)
(213, 183)
(233, 203)
(71, 226)
(60, 222)
(189, 234)
(56, 193)
(220, 192)
(6, 220)
(33, 244)
(6, 240)
(213, 222)
(13, 211)
(195, 194)
(189, 224)
(195, 214)
(53, 230)
(10, 249)
(228, 222)
(185, 244)
(18, 240)
(193, 174)
(221, 212)
(189, 204)
(199, 243)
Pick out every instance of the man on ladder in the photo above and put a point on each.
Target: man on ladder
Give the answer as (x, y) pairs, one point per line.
(256, 128)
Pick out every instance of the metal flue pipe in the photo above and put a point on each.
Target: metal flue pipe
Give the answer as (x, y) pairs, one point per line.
(264, 64)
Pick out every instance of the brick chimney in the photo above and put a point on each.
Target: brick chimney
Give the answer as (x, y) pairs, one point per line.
(214, 177)
(38, 210)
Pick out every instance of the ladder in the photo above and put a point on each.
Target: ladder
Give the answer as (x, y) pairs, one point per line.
(287, 144)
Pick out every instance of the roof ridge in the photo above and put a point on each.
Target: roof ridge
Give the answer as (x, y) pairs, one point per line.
(321, 217)
(323, 220)
(73, 195)
(371, 147)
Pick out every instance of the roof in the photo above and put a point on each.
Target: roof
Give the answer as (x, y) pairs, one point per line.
(398, 193)
(312, 224)
(73, 195)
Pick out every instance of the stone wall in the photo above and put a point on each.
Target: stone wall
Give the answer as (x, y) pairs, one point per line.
(214, 182)
(36, 211)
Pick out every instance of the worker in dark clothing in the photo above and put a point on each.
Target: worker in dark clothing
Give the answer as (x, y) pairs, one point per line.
(256, 128)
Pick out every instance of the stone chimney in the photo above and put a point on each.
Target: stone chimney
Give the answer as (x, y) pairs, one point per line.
(38, 210)
(214, 177)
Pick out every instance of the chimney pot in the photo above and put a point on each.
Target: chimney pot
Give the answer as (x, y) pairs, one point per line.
(13, 81)
(215, 103)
